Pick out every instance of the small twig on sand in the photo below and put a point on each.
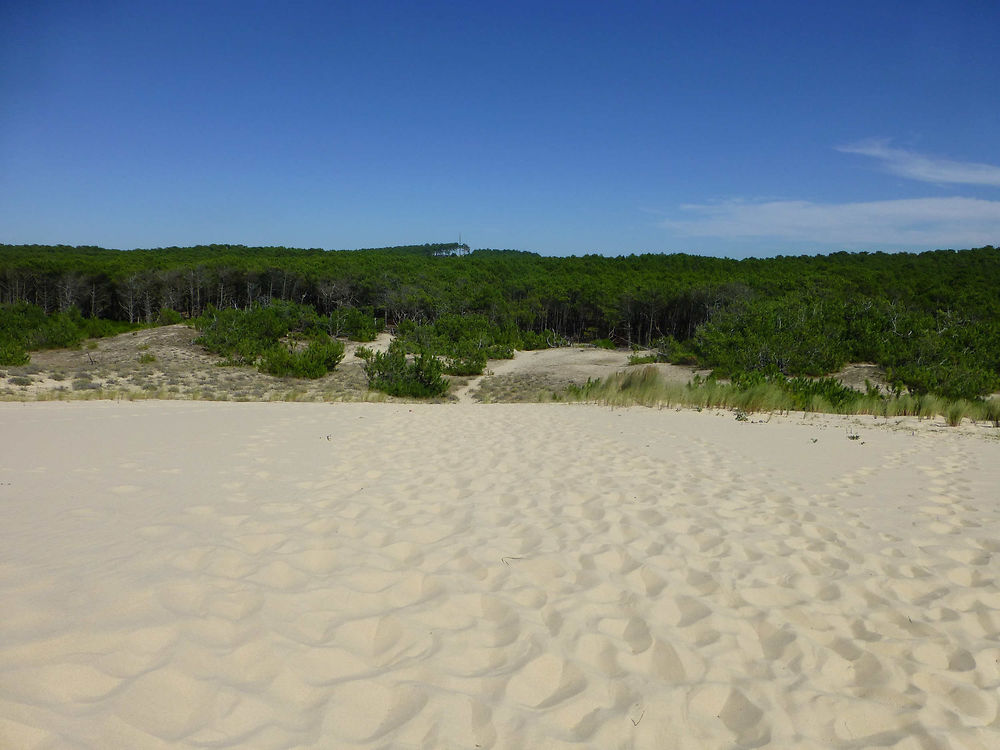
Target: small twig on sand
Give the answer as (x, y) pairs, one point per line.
(505, 559)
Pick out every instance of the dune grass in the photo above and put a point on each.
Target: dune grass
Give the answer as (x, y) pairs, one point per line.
(645, 387)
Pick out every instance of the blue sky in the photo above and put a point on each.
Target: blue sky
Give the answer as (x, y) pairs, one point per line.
(717, 128)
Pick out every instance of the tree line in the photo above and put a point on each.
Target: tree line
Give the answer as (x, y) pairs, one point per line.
(932, 319)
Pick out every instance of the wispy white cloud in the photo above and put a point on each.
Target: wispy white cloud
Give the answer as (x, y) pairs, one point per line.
(922, 167)
(922, 222)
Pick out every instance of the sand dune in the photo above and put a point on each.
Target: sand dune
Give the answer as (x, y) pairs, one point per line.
(193, 575)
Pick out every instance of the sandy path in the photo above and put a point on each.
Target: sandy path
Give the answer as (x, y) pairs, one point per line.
(460, 576)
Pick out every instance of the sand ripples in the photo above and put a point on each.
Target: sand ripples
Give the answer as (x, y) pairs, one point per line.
(499, 577)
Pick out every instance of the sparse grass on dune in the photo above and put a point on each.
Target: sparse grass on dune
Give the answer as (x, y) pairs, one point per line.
(645, 387)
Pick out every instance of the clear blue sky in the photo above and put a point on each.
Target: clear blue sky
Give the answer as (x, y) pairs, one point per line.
(722, 128)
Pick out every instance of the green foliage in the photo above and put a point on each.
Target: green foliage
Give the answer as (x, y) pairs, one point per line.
(242, 336)
(932, 320)
(643, 359)
(320, 357)
(254, 337)
(669, 349)
(991, 411)
(168, 317)
(394, 373)
(465, 360)
(13, 353)
(532, 341)
(794, 335)
(957, 411)
(755, 392)
(465, 342)
(665, 349)
(25, 327)
(604, 344)
(358, 324)
(805, 394)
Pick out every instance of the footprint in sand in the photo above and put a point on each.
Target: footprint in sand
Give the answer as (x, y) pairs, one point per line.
(545, 682)
(366, 710)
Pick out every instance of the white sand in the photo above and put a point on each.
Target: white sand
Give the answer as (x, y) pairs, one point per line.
(198, 575)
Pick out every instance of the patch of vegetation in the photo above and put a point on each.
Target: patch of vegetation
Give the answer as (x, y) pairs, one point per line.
(758, 393)
(264, 336)
(394, 373)
(13, 353)
(643, 359)
(464, 342)
(991, 411)
(146, 358)
(320, 357)
(956, 411)
(20, 380)
(805, 394)
(546, 339)
(930, 321)
(357, 324)
(168, 317)
(26, 327)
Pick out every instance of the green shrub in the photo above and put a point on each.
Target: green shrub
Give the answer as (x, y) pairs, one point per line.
(642, 359)
(393, 373)
(25, 327)
(357, 323)
(315, 361)
(532, 341)
(469, 364)
(168, 317)
(465, 342)
(13, 354)
(793, 335)
(249, 337)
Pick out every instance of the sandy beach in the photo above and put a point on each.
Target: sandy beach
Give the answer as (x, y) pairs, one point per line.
(271, 575)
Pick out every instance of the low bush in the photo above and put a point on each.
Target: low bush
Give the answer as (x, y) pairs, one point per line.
(465, 342)
(642, 359)
(259, 336)
(168, 317)
(469, 364)
(532, 340)
(25, 327)
(357, 323)
(12, 353)
(316, 360)
(242, 336)
(394, 373)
